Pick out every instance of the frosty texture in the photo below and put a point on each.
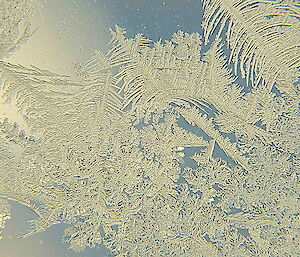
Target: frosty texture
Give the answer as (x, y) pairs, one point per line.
(155, 149)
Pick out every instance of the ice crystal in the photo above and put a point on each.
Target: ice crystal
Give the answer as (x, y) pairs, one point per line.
(155, 149)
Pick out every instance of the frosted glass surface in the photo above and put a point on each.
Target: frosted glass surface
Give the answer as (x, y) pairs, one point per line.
(149, 128)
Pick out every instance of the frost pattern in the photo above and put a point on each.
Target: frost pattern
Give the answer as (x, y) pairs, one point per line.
(155, 148)
(4, 214)
(15, 24)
